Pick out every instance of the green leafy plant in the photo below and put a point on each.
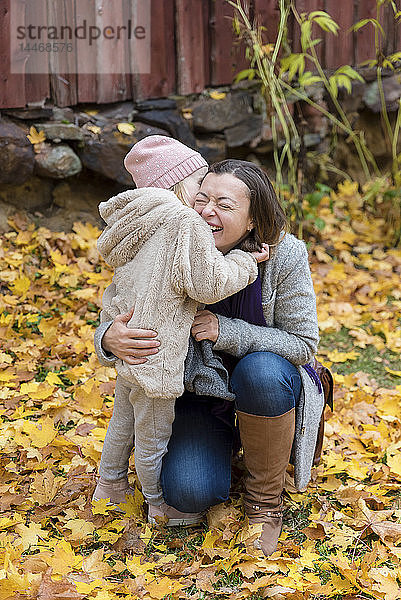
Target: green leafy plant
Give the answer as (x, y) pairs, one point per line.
(385, 62)
(287, 76)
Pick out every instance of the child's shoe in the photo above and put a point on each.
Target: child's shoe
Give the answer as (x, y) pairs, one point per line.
(174, 516)
(115, 491)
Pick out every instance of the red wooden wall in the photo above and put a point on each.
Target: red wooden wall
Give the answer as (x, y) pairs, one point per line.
(192, 46)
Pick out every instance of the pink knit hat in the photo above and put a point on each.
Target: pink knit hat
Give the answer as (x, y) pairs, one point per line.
(160, 161)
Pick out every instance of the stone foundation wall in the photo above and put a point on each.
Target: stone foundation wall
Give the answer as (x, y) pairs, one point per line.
(80, 162)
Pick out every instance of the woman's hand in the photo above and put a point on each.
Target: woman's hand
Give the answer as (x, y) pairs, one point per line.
(205, 326)
(130, 345)
(263, 255)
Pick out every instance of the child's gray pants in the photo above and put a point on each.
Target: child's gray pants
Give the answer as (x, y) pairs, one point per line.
(148, 421)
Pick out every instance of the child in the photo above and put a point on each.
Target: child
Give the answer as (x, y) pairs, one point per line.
(166, 263)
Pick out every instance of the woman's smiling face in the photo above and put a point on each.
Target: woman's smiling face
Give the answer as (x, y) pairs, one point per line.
(223, 202)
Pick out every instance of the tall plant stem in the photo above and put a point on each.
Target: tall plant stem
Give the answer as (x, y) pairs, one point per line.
(361, 148)
(395, 170)
(380, 88)
(383, 105)
(272, 86)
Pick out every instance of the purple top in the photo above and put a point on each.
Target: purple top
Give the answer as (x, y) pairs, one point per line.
(247, 305)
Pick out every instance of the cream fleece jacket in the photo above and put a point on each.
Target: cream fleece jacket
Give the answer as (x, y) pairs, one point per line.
(166, 263)
(289, 307)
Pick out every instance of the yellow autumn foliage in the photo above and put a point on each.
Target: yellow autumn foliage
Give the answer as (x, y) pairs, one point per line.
(341, 538)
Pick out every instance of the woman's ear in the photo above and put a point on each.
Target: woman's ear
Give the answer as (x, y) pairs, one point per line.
(250, 225)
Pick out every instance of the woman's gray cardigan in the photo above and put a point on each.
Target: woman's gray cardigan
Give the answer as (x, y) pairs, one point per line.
(289, 307)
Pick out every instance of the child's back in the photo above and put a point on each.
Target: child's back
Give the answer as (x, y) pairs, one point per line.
(165, 264)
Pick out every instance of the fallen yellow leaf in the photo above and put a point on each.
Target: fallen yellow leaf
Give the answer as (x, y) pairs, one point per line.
(94, 129)
(44, 487)
(396, 373)
(64, 560)
(215, 95)
(36, 137)
(127, 128)
(41, 433)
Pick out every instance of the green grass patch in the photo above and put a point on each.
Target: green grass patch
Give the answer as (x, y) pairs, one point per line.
(370, 360)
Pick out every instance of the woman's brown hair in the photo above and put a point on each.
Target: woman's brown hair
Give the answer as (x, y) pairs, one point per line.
(265, 209)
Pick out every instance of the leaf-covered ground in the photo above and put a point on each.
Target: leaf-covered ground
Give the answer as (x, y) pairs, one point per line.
(341, 538)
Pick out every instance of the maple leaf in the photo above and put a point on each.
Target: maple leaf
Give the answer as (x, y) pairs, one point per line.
(6, 522)
(41, 433)
(88, 397)
(308, 557)
(336, 584)
(5, 359)
(48, 328)
(133, 507)
(36, 390)
(101, 507)
(30, 534)
(80, 529)
(137, 567)
(386, 583)
(163, 587)
(337, 357)
(53, 379)
(259, 586)
(94, 565)
(394, 462)
(379, 523)
(44, 487)
(36, 137)
(86, 588)
(63, 560)
(21, 286)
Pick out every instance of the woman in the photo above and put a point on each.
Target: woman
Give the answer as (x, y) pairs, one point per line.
(264, 335)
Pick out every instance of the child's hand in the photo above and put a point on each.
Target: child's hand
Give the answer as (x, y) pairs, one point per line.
(263, 255)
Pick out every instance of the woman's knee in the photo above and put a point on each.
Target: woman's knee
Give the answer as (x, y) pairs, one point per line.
(189, 495)
(266, 384)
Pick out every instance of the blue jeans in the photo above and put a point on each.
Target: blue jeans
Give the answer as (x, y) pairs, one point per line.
(196, 470)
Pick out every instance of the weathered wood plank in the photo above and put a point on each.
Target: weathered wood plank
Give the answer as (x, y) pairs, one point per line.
(398, 37)
(365, 37)
(86, 82)
(207, 43)
(37, 86)
(227, 53)
(398, 30)
(63, 68)
(392, 29)
(111, 86)
(190, 36)
(339, 49)
(12, 86)
(300, 7)
(161, 79)
(267, 13)
(192, 41)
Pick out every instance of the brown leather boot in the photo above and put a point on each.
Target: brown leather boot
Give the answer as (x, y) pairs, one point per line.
(267, 443)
